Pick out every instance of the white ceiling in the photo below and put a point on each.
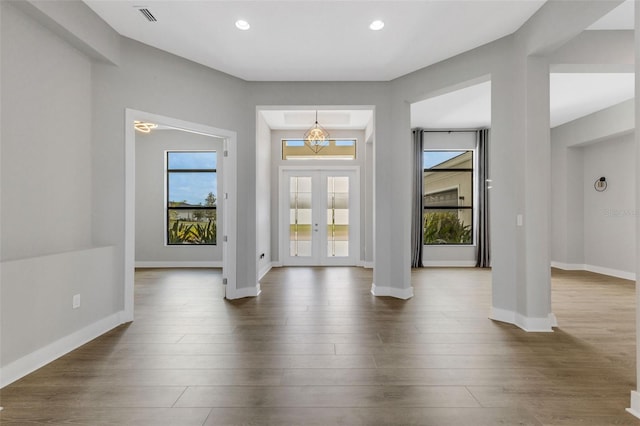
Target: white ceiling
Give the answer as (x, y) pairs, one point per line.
(576, 95)
(620, 18)
(312, 40)
(468, 108)
(572, 95)
(329, 40)
(330, 119)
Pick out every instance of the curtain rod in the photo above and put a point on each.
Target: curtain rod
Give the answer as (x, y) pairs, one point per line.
(451, 131)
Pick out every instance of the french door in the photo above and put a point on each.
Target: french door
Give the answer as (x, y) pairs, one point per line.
(319, 217)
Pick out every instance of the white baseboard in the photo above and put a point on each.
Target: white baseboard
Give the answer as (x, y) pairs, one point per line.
(179, 264)
(242, 292)
(611, 272)
(635, 404)
(43, 356)
(530, 324)
(568, 266)
(265, 270)
(450, 263)
(367, 265)
(398, 293)
(595, 269)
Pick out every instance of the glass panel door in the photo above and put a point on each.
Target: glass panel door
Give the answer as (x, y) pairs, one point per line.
(319, 216)
(338, 216)
(300, 198)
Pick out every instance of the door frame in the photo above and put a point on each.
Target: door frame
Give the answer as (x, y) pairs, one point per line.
(283, 202)
(228, 202)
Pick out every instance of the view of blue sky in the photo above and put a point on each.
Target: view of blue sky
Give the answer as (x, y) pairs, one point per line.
(192, 160)
(433, 158)
(192, 188)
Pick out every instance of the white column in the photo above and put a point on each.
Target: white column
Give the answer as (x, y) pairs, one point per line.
(536, 311)
(635, 395)
(392, 200)
(520, 199)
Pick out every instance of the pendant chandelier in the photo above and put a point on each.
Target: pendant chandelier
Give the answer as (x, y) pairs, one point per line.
(316, 137)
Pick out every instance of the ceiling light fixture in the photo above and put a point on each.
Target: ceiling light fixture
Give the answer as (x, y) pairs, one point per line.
(376, 25)
(316, 137)
(144, 126)
(242, 25)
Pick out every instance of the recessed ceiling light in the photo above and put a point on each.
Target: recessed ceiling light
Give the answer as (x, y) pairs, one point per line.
(242, 25)
(376, 25)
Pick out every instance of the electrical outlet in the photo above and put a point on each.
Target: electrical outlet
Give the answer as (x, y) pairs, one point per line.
(76, 301)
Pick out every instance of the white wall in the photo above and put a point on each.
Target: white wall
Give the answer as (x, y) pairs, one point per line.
(151, 250)
(48, 253)
(367, 176)
(37, 320)
(63, 167)
(567, 205)
(609, 216)
(596, 51)
(264, 206)
(153, 81)
(582, 149)
(76, 24)
(46, 145)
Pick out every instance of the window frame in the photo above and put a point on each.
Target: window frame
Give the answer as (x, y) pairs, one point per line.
(169, 209)
(471, 207)
(335, 143)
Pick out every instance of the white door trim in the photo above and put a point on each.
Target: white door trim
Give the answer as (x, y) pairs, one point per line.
(229, 202)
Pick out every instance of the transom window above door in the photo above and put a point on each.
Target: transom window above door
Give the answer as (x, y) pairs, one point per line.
(330, 149)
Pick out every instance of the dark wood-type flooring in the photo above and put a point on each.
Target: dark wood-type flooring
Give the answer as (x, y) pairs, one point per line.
(316, 348)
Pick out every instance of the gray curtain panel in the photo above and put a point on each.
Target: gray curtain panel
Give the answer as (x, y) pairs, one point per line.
(417, 207)
(484, 255)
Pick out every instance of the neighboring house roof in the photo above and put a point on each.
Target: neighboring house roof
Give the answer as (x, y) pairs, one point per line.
(183, 204)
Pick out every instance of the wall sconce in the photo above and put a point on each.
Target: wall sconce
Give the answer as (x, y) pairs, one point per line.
(600, 184)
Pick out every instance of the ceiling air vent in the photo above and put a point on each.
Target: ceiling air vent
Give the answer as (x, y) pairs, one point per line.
(147, 14)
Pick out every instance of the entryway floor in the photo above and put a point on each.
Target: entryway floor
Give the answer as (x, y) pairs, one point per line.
(316, 348)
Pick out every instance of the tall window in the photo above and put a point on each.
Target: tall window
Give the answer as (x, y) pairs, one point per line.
(448, 197)
(192, 192)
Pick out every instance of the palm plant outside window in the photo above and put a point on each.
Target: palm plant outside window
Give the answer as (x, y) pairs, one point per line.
(192, 182)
